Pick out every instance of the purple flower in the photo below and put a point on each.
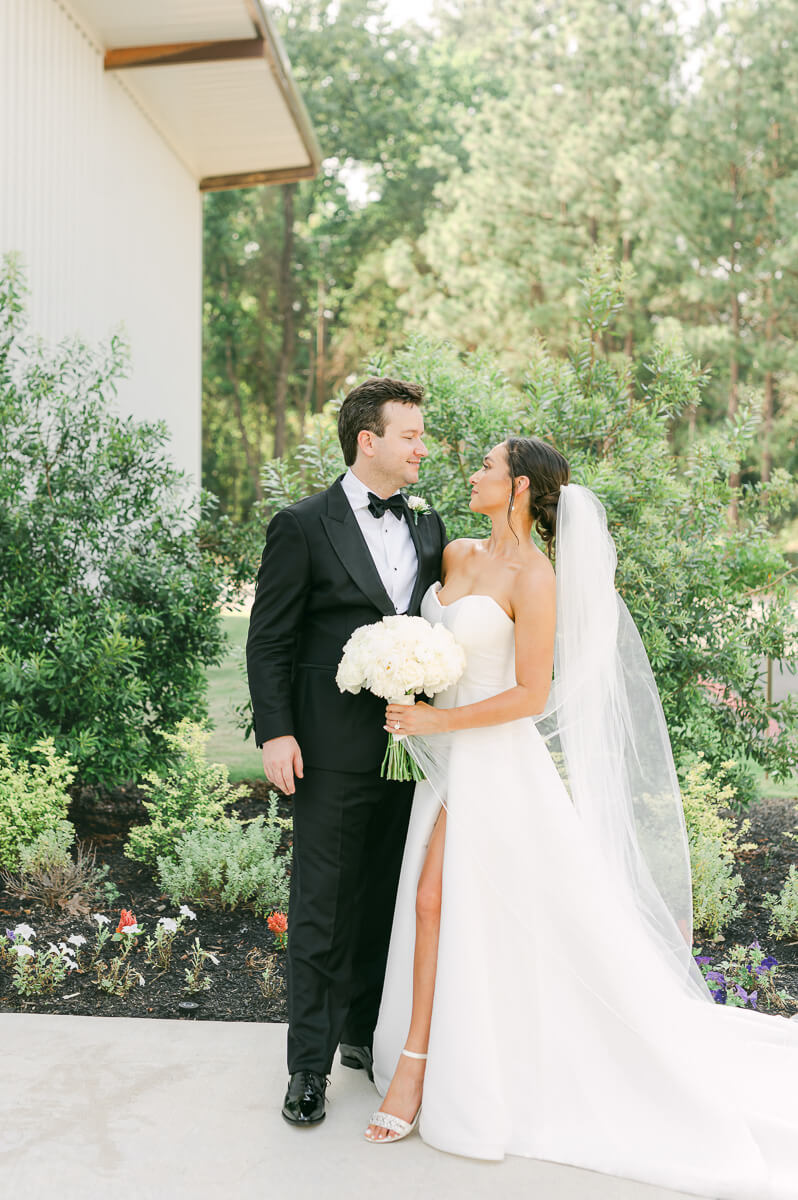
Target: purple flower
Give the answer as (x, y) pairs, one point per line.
(741, 992)
(702, 958)
(768, 962)
(754, 945)
(10, 934)
(719, 997)
(753, 998)
(716, 976)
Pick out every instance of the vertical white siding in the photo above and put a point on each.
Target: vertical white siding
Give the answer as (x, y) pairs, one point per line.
(107, 218)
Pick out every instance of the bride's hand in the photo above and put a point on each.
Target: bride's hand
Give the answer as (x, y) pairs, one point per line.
(417, 718)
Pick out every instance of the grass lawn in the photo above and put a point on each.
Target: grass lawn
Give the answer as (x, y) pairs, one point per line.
(227, 686)
(769, 787)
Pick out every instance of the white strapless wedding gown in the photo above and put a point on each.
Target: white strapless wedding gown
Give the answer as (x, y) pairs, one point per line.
(557, 1033)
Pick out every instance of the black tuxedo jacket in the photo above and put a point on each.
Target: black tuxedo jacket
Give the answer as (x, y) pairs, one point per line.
(317, 583)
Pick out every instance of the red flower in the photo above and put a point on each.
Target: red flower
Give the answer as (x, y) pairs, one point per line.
(278, 922)
(127, 918)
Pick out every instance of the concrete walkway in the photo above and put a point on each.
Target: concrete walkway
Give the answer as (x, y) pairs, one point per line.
(135, 1109)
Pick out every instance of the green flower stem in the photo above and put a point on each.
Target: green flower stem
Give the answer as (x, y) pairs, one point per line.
(398, 764)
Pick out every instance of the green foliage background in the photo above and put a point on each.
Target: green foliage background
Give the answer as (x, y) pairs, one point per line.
(472, 166)
(710, 597)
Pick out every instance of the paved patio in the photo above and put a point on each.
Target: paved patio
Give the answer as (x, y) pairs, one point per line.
(134, 1109)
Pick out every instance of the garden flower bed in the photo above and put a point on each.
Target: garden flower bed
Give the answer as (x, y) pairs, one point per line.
(230, 985)
(238, 966)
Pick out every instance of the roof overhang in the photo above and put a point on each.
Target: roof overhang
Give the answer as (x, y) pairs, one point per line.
(213, 77)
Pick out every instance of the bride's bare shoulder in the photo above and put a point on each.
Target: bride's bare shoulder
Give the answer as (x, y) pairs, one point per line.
(459, 550)
(535, 580)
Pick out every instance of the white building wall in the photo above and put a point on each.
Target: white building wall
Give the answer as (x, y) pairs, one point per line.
(107, 218)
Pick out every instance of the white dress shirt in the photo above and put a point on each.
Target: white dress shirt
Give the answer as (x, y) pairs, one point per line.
(389, 542)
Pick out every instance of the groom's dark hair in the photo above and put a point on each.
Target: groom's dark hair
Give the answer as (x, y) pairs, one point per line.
(363, 409)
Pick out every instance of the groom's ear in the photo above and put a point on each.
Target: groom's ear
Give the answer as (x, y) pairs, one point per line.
(365, 442)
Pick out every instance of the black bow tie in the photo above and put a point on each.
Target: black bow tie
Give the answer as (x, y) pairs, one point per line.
(395, 503)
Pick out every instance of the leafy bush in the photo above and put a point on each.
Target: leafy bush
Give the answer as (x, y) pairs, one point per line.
(709, 597)
(784, 907)
(230, 866)
(191, 794)
(48, 848)
(33, 798)
(110, 569)
(48, 873)
(714, 840)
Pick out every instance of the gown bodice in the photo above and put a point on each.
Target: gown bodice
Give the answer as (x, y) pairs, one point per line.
(487, 635)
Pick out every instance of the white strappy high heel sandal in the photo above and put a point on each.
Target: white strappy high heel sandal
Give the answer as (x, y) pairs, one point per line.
(390, 1122)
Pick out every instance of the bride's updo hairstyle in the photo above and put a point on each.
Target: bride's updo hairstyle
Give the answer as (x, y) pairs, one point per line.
(547, 471)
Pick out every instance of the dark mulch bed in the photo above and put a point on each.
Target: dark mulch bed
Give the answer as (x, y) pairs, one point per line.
(244, 945)
(764, 870)
(241, 941)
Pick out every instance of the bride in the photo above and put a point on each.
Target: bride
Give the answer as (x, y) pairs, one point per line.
(541, 998)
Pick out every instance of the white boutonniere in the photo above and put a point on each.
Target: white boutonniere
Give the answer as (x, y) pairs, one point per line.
(418, 507)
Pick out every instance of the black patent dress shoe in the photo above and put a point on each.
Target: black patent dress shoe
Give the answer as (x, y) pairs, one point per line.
(359, 1058)
(304, 1100)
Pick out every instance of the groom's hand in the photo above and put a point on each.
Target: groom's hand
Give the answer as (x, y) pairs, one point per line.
(282, 759)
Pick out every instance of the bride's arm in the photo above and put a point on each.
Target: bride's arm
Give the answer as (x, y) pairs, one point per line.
(534, 606)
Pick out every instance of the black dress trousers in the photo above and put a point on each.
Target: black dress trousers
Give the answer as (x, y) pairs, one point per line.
(349, 836)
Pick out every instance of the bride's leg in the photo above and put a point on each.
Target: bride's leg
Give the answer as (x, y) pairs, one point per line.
(404, 1093)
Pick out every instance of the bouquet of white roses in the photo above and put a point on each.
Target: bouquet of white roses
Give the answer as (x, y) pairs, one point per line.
(395, 658)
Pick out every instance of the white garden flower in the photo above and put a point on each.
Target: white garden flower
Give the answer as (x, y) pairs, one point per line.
(130, 928)
(185, 911)
(24, 950)
(23, 931)
(169, 924)
(100, 919)
(77, 939)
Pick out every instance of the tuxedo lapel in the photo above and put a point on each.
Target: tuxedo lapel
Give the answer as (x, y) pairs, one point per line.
(340, 525)
(418, 542)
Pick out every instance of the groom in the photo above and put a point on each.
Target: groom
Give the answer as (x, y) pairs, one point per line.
(340, 559)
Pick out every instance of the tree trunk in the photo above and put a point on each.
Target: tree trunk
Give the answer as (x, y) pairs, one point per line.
(303, 405)
(285, 293)
(253, 465)
(767, 428)
(321, 361)
(767, 409)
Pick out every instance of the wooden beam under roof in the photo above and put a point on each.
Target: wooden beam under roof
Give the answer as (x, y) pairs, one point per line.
(219, 183)
(183, 52)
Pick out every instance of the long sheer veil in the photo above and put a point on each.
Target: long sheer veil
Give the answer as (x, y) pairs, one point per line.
(605, 729)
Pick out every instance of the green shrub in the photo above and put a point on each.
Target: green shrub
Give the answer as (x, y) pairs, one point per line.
(231, 866)
(33, 798)
(190, 794)
(110, 567)
(49, 848)
(714, 839)
(48, 873)
(784, 907)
